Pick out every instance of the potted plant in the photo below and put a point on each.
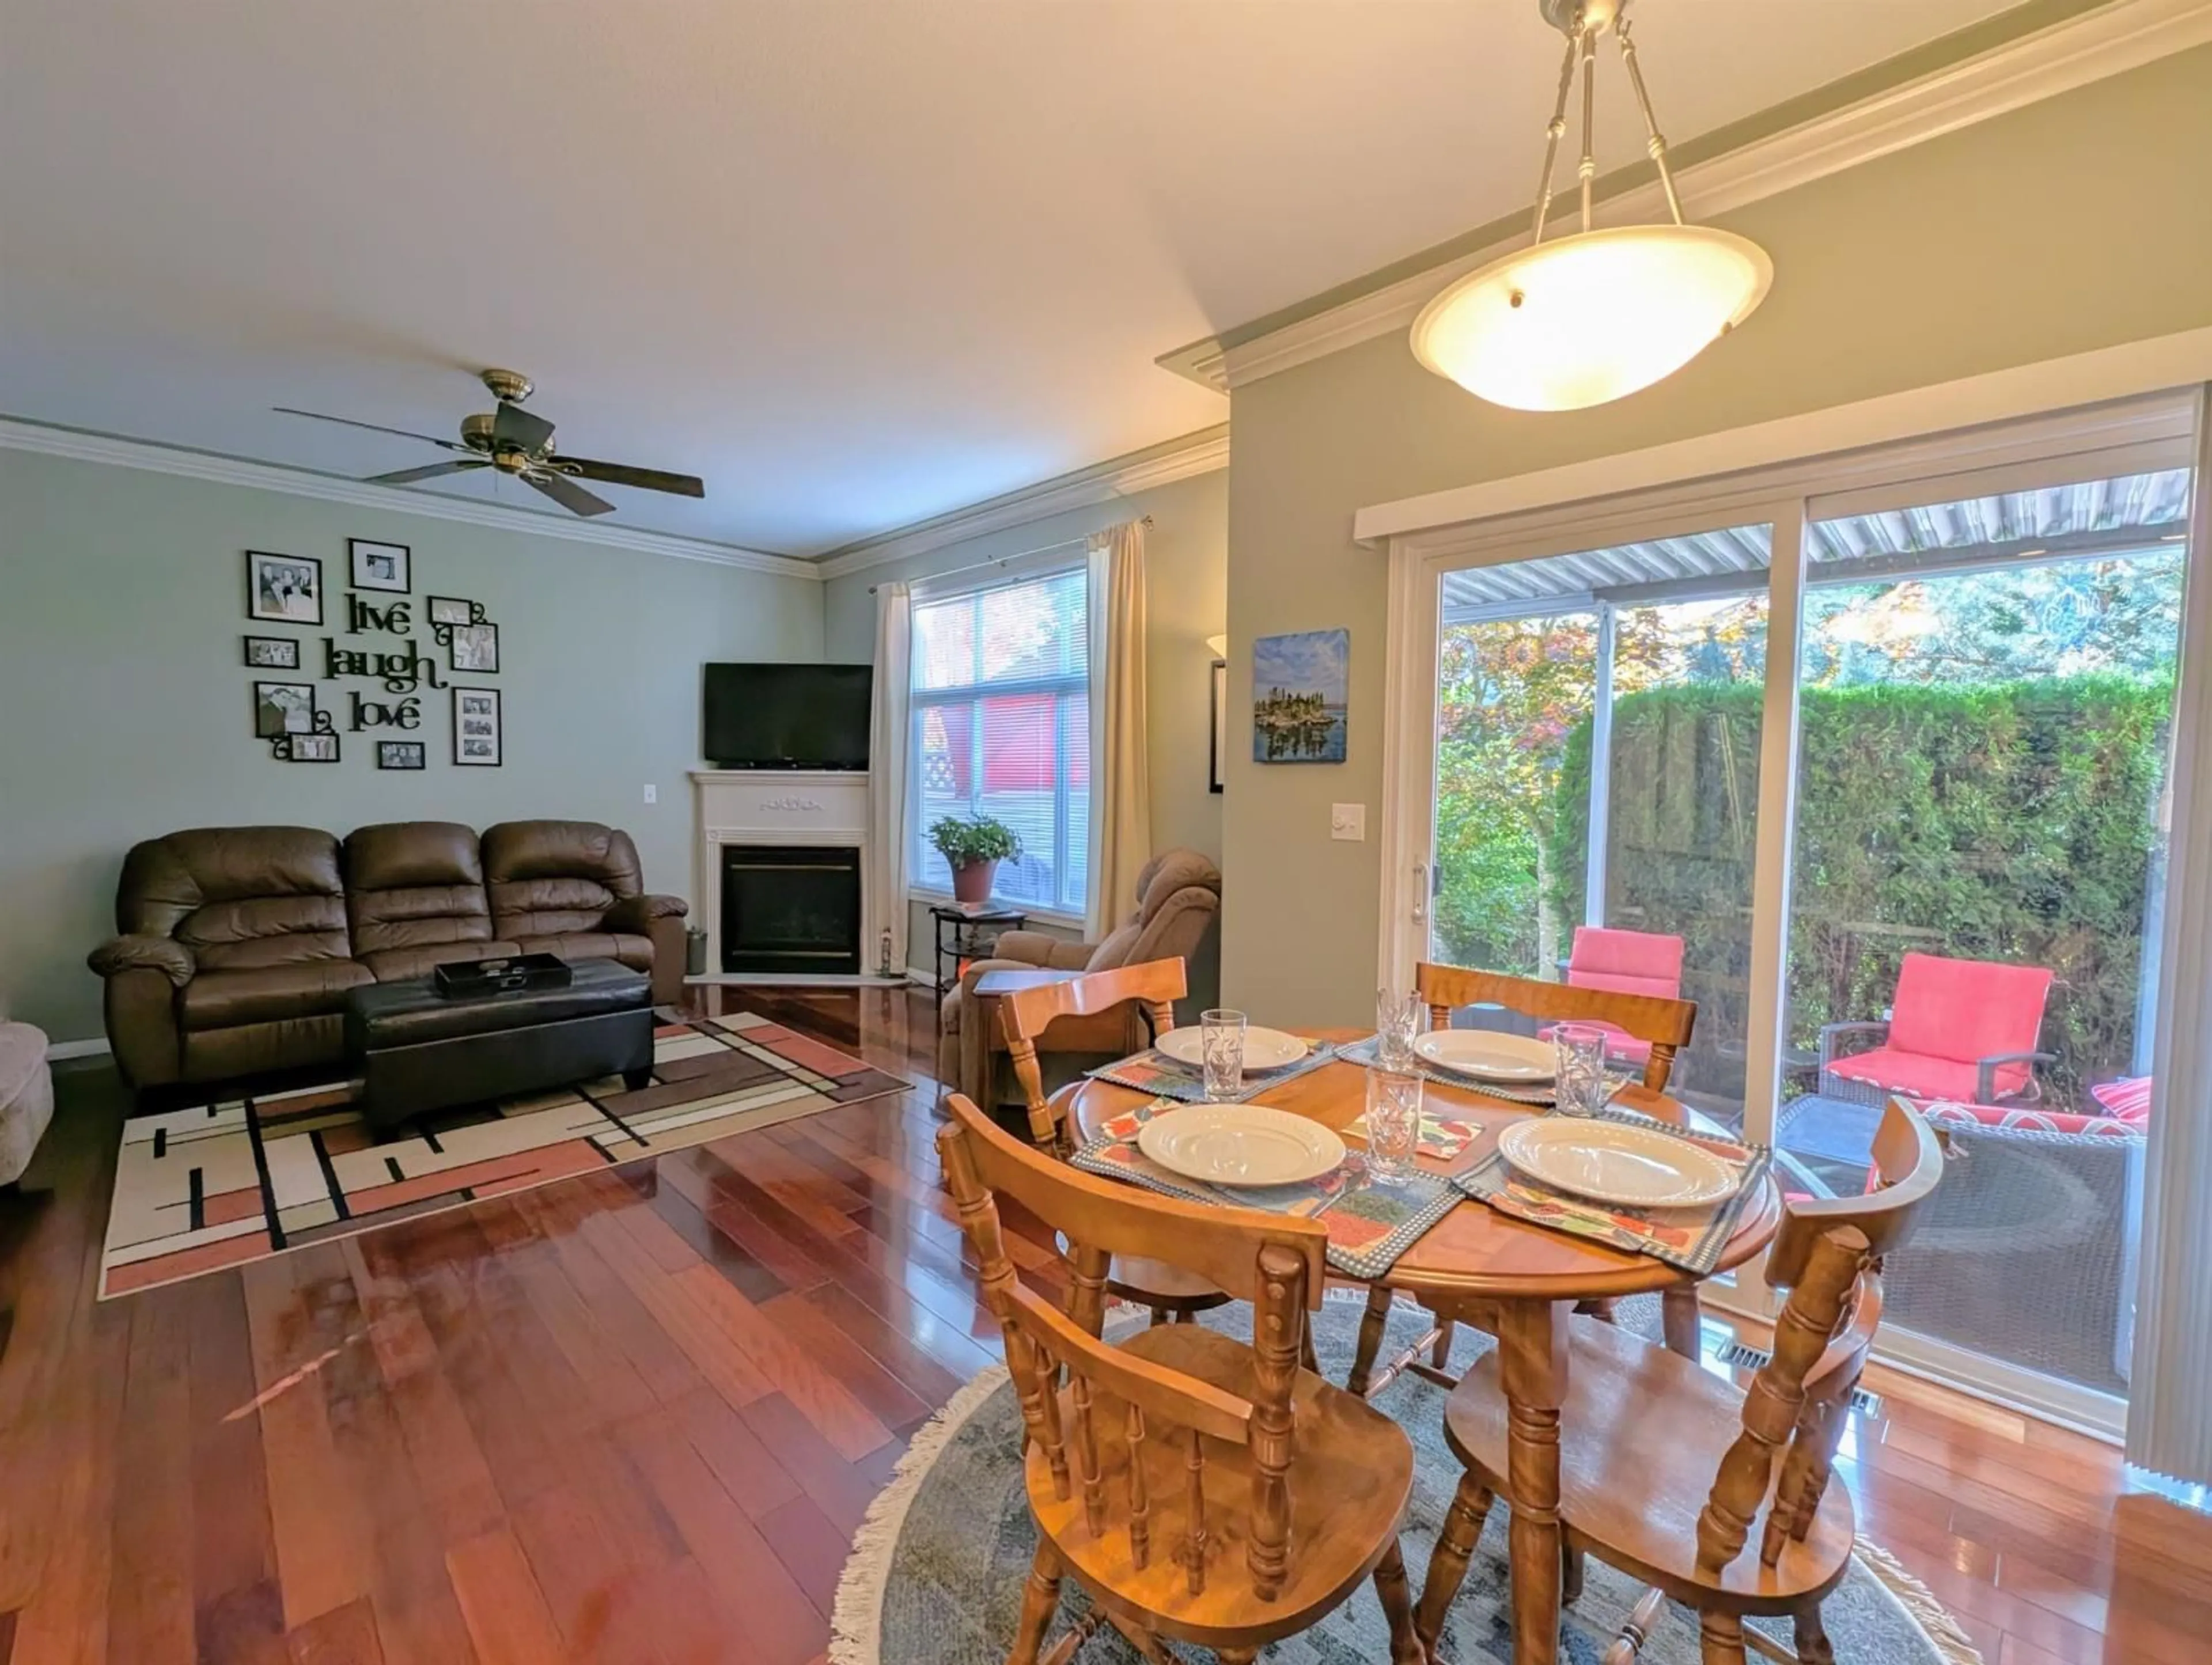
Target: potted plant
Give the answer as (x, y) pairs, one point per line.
(972, 848)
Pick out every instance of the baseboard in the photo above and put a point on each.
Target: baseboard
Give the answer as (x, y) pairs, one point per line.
(61, 1052)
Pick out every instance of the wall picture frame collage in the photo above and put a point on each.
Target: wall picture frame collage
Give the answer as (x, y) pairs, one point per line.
(372, 672)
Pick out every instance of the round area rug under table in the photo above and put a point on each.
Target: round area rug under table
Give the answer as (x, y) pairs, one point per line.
(939, 1565)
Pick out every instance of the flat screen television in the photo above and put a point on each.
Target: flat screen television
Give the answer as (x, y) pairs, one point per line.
(788, 716)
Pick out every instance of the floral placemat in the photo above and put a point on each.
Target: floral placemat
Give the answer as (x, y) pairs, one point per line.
(1543, 1096)
(1369, 1222)
(1691, 1238)
(1153, 1071)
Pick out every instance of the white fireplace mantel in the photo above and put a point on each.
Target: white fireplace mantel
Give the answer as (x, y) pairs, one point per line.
(772, 806)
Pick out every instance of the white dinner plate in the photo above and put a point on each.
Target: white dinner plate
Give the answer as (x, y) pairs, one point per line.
(1614, 1162)
(1264, 1049)
(1488, 1056)
(1240, 1144)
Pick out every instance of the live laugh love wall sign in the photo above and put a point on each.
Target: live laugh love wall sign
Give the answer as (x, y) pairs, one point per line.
(381, 673)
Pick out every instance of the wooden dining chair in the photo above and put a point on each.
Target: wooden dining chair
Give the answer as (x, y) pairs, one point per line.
(1645, 1435)
(1153, 987)
(1661, 1024)
(1196, 1487)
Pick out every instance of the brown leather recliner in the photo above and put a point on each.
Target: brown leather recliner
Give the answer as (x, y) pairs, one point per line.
(414, 898)
(1178, 898)
(240, 944)
(235, 958)
(572, 888)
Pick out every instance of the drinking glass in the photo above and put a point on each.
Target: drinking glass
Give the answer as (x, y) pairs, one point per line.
(1397, 1021)
(1221, 1042)
(1579, 1050)
(1394, 1122)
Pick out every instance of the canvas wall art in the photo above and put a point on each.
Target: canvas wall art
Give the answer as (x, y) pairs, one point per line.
(1299, 687)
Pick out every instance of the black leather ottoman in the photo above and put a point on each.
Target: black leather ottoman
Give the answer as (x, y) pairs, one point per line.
(415, 1049)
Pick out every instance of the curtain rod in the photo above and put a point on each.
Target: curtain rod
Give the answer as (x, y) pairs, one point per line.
(1008, 560)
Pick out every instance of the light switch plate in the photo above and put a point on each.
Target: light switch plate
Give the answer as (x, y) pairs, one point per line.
(652, 794)
(1348, 821)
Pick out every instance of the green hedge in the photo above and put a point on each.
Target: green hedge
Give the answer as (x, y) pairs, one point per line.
(2005, 821)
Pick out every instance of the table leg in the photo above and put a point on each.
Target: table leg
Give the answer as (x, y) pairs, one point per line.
(1677, 1315)
(1533, 1353)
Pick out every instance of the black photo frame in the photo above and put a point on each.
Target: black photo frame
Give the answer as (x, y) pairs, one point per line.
(283, 589)
(466, 646)
(479, 737)
(274, 718)
(372, 564)
(316, 744)
(451, 610)
(272, 653)
(402, 754)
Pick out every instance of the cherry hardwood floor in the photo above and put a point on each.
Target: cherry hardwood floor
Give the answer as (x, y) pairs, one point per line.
(635, 1416)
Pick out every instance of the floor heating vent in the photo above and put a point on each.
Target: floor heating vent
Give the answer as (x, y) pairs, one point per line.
(1738, 1357)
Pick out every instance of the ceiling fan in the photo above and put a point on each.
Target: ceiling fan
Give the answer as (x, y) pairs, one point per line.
(519, 442)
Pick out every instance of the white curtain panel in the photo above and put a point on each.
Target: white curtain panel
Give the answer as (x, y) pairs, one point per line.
(1121, 789)
(888, 746)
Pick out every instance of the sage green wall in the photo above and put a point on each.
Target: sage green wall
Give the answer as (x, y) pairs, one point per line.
(125, 708)
(1186, 561)
(2073, 224)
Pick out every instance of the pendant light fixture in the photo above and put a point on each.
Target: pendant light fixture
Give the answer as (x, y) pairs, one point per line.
(1590, 317)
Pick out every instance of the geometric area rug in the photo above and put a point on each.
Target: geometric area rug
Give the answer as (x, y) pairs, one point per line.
(219, 1184)
(938, 1566)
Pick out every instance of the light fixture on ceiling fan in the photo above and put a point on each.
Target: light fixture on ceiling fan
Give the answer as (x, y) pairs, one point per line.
(1592, 317)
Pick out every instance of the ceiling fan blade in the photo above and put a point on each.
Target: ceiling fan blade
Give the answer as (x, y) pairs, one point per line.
(621, 474)
(373, 428)
(407, 477)
(515, 428)
(570, 495)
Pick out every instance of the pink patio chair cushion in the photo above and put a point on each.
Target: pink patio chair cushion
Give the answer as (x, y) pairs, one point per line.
(2126, 1100)
(1625, 961)
(1619, 1042)
(1949, 1015)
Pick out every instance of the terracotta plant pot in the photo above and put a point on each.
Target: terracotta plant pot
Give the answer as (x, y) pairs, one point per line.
(971, 881)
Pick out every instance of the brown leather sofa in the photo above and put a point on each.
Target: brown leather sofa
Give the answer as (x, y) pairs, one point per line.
(1178, 898)
(239, 943)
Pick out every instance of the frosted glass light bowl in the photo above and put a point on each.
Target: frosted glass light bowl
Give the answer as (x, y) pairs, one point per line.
(1585, 320)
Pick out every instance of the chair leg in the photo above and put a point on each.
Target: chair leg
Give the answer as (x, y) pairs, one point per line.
(1159, 1315)
(1440, 1358)
(1570, 1575)
(1370, 1340)
(1039, 1601)
(1720, 1638)
(1406, 1648)
(1635, 1629)
(1814, 1647)
(1462, 1527)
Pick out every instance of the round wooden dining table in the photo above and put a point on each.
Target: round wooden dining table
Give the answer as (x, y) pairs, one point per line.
(1518, 1281)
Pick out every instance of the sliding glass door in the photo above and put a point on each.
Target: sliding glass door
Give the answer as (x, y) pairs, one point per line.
(1598, 721)
(1986, 691)
(1875, 760)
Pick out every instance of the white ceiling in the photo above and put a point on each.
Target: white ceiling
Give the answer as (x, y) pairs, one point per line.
(854, 262)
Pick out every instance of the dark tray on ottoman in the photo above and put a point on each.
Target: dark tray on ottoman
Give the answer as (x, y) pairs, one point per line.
(417, 1050)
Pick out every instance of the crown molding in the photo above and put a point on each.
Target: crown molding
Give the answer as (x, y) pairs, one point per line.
(2123, 35)
(1738, 460)
(19, 434)
(1202, 452)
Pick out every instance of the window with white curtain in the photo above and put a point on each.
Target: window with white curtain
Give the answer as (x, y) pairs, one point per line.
(1001, 715)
